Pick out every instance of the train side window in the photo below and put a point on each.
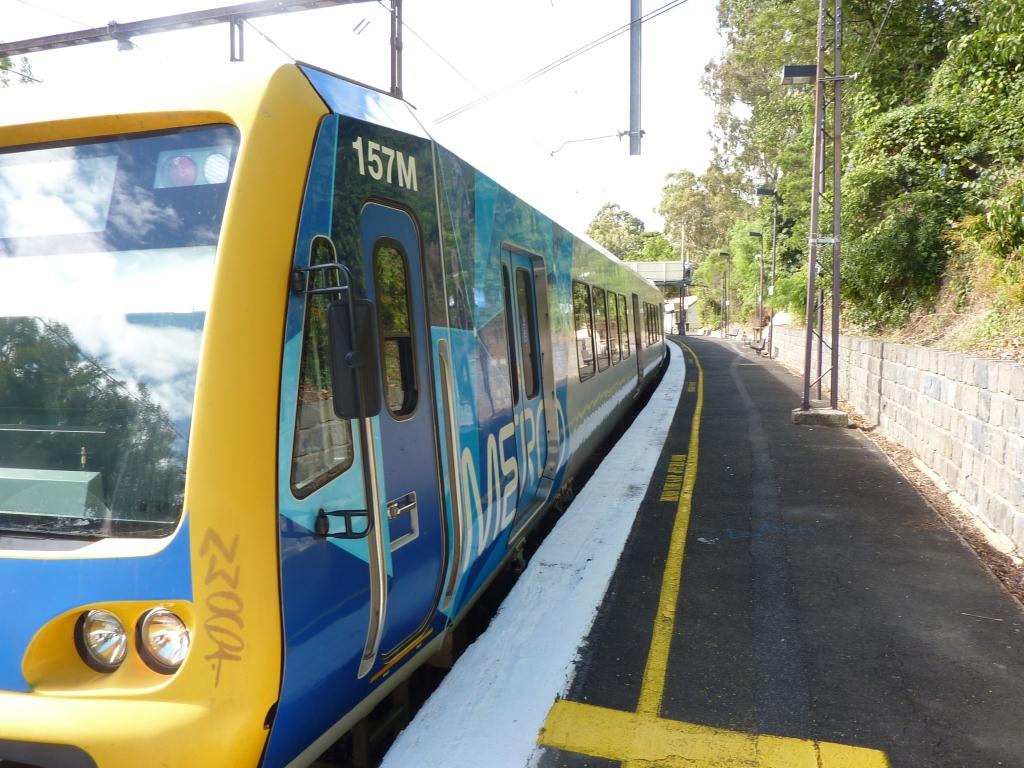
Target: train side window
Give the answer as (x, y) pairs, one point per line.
(527, 333)
(614, 345)
(322, 448)
(513, 368)
(600, 328)
(583, 314)
(624, 327)
(397, 358)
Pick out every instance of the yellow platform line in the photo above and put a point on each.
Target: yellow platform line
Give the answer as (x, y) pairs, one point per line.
(643, 740)
(653, 688)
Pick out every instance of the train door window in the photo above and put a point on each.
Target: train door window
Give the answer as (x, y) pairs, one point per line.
(600, 328)
(623, 327)
(527, 333)
(397, 357)
(614, 345)
(510, 334)
(322, 448)
(583, 314)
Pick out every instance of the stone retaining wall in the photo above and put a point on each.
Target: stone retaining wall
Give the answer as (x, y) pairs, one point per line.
(962, 416)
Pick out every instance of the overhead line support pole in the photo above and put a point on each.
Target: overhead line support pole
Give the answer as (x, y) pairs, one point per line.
(822, 80)
(396, 48)
(634, 78)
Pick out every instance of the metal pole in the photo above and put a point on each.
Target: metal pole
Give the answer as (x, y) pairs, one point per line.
(771, 307)
(816, 162)
(760, 294)
(723, 305)
(837, 127)
(396, 48)
(682, 306)
(634, 77)
(727, 300)
(821, 334)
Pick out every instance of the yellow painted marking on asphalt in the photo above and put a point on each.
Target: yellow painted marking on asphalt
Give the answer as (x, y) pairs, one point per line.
(643, 738)
(691, 387)
(639, 739)
(674, 476)
(664, 621)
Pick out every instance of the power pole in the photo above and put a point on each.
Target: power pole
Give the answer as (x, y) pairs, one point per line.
(828, 93)
(634, 78)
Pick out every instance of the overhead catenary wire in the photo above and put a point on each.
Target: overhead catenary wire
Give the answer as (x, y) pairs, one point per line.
(878, 35)
(53, 13)
(564, 144)
(432, 49)
(266, 37)
(561, 60)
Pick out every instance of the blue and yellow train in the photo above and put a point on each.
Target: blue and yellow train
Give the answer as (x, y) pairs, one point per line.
(283, 382)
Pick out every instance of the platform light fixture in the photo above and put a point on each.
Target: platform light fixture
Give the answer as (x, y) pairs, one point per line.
(725, 295)
(770, 192)
(799, 74)
(760, 284)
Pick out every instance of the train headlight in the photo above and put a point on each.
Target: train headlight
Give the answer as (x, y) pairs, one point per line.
(101, 640)
(163, 640)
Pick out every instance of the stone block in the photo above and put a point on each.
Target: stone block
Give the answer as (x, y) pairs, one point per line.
(969, 400)
(1018, 530)
(997, 446)
(981, 373)
(967, 373)
(1014, 454)
(820, 417)
(1017, 382)
(979, 436)
(984, 405)
(1004, 375)
(1013, 416)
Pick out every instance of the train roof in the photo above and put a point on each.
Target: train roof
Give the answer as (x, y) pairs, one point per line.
(138, 98)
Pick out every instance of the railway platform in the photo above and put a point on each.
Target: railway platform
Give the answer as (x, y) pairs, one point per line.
(784, 598)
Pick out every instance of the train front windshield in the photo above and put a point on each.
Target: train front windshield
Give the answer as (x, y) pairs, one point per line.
(106, 269)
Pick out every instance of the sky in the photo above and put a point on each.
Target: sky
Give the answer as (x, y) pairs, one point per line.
(456, 51)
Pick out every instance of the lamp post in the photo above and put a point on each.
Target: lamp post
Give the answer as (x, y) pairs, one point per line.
(725, 297)
(760, 284)
(821, 77)
(770, 192)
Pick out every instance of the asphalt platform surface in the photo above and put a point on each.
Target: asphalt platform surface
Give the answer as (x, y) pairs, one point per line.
(821, 599)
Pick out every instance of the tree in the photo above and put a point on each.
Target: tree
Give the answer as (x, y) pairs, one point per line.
(656, 247)
(705, 205)
(619, 231)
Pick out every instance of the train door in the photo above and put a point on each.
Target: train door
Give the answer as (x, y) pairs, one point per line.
(636, 337)
(519, 284)
(408, 479)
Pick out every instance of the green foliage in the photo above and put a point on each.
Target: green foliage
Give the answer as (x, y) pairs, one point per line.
(918, 155)
(656, 247)
(623, 234)
(619, 231)
(10, 71)
(706, 206)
